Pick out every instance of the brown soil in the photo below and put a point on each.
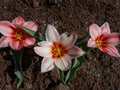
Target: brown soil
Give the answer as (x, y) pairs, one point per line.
(101, 71)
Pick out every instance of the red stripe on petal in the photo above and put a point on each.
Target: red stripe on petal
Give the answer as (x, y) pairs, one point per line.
(5, 28)
(18, 20)
(16, 45)
(4, 41)
(29, 41)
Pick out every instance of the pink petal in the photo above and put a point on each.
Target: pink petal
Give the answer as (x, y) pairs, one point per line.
(47, 65)
(52, 34)
(94, 31)
(75, 52)
(105, 29)
(30, 25)
(91, 43)
(16, 45)
(4, 41)
(70, 41)
(5, 28)
(111, 50)
(19, 21)
(29, 41)
(42, 51)
(63, 63)
(44, 43)
(114, 39)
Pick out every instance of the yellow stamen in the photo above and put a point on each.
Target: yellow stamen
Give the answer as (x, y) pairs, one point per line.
(18, 36)
(58, 50)
(99, 43)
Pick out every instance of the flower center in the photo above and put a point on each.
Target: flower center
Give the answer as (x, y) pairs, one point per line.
(99, 43)
(58, 50)
(18, 36)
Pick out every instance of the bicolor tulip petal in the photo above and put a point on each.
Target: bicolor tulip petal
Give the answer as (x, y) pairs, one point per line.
(57, 50)
(103, 39)
(15, 37)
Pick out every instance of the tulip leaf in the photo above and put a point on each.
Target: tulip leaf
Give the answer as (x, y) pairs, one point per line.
(32, 33)
(84, 47)
(20, 77)
(77, 63)
(61, 75)
(17, 57)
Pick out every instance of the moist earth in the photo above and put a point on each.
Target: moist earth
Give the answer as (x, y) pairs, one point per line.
(100, 72)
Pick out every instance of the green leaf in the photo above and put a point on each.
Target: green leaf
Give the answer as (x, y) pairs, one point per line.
(39, 36)
(61, 75)
(85, 47)
(77, 63)
(32, 33)
(17, 57)
(20, 77)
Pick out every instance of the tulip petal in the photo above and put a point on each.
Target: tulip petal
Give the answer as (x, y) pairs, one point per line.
(111, 50)
(18, 20)
(114, 39)
(16, 45)
(42, 51)
(29, 41)
(91, 43)
(30, 25)
(5, 28)
(70, 41)
(52, 34)
(63, 63)
(44, 43)
(94, 31)
(75, 52)
(63, 38)
(47, 65)
(4, 41)
(105, 29)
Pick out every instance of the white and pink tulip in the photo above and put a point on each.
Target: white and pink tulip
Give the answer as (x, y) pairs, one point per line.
(57, 50)
(103, 39)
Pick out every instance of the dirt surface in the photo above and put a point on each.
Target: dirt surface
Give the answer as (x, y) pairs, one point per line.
(101, 71)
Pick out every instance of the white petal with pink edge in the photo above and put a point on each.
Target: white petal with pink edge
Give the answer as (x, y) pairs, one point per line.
(114, 39)
(70, 41)
(30, 25)
(95, 31)
(5, 28)
(75, 52)
(47, 65)
(16, 45)
(44, 43)
(105, 29)
(63, 63)
(63, 38)
(52, 34)
(29, 41)
(42, 51)
(18, 20)
(4, 41)
(91, 43)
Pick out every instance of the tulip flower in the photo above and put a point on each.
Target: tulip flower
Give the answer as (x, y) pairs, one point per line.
(57, 50)
(15, 37)
(103, 39)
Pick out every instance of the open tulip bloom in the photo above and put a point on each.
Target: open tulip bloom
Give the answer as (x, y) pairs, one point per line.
(57, 50)
(15, 37)
(103, 39)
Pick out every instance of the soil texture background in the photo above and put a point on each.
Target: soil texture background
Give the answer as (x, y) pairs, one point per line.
(100, 72)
